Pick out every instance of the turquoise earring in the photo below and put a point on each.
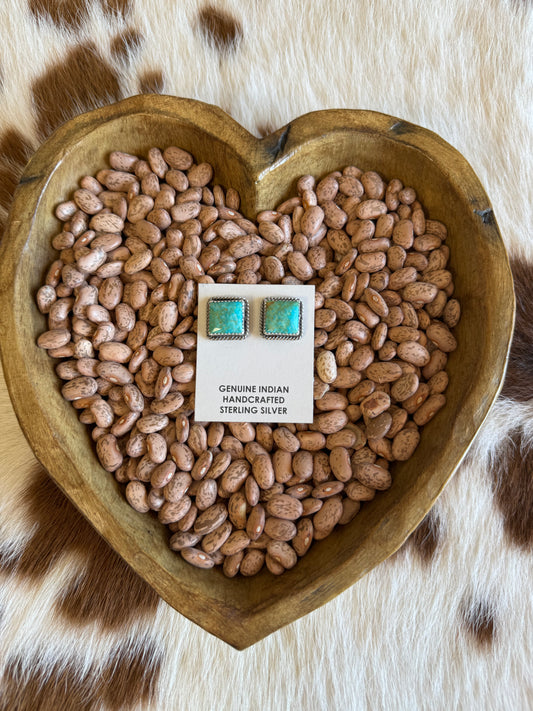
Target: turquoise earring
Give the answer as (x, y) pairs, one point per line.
(281, 318)
(227, 318)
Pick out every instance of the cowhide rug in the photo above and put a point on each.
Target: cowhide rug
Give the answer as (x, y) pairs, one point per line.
(447, 622)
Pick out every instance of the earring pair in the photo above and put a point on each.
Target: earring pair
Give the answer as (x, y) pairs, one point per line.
(228, 318)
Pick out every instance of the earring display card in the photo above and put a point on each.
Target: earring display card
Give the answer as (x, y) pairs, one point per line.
(257, 379)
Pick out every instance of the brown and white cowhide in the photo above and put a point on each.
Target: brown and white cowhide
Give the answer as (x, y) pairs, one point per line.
(447, 622)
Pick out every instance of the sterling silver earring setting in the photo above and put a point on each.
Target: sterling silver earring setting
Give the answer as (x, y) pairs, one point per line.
(227, 318)
(281, 318)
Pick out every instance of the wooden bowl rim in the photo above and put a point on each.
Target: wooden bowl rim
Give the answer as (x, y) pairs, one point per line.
(248, 624)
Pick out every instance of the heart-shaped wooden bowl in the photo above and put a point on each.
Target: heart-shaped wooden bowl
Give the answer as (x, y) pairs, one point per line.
(242, 611)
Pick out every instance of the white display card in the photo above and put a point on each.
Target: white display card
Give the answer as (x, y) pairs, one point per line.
(255, 379)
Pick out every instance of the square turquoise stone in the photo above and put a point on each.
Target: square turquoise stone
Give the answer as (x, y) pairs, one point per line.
(227, 318)
(282, 318)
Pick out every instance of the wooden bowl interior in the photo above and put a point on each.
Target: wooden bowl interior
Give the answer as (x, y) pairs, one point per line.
(241, 610)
